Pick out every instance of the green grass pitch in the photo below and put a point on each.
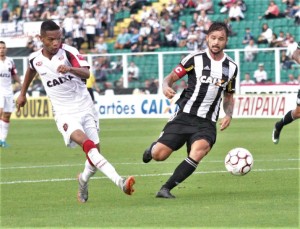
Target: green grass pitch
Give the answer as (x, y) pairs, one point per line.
(38, 180)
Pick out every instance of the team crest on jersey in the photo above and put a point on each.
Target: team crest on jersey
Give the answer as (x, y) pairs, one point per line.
(61, 57)
(39, 63)
(65, 126)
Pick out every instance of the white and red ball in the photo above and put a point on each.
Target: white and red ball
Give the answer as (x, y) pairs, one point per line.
(239, 161)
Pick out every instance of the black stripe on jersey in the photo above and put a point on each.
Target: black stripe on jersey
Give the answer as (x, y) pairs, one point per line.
(225, 69)
(206, 71)
(31, 63)
(213, 106)
(71, 59)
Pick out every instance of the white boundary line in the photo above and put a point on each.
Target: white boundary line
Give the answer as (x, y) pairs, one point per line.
(124, 163)
(139, 175)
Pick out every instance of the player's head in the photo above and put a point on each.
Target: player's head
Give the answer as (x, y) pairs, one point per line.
(2, 49)
(217, 37)
(51, 36)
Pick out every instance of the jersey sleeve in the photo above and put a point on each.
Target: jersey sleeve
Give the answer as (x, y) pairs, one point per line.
(14, 70)
(185, 65)
(230, 88)
(74, 57)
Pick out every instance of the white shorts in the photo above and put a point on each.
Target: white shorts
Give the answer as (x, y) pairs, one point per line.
(87, 121)
(7, 103)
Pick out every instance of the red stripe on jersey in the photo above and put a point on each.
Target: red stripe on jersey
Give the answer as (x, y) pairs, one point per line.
(180, 71)
(73, 60)
(14, 70)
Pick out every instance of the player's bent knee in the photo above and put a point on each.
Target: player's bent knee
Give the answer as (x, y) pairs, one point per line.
(161, 155)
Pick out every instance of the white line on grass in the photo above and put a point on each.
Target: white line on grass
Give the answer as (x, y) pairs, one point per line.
(129, 163)
(140, 175)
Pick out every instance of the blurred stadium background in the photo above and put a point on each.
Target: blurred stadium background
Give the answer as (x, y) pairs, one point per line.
(154, 65)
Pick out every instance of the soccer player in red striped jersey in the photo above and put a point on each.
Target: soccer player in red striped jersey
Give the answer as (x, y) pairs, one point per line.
(211, 77)
(63, 71)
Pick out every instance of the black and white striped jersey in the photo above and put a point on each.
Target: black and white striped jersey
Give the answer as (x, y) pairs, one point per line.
(207, 80)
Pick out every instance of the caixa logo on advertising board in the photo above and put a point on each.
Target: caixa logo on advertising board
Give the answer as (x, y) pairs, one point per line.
(135, 106)
(158, 106)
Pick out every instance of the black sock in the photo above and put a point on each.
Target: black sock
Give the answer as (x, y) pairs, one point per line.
(183, 171)
(285, 120)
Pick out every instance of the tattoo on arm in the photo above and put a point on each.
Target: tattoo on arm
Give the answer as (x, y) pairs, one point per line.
(228, 104)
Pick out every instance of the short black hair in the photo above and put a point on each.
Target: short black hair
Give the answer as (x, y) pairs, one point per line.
(218, 26)
(49, 25)
(2, 42)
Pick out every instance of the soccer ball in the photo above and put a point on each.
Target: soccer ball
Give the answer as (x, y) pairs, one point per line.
(239, 161)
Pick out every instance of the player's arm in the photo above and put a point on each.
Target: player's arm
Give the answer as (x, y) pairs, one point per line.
(17, 78)
(82, 72)
(228, 105)
(168, 82)
(296, 54)
(29, 76)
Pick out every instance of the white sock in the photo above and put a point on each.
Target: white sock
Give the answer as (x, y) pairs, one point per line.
(105, 167)
(88, 171)
(4, 130)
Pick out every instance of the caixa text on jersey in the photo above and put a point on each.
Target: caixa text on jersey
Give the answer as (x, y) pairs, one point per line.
(60, 80)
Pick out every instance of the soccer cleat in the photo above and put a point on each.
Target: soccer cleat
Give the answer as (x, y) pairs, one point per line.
(164, 193)
(128, 185)
(3, 144)
(83, 193)
(275, 135)
(147, 154)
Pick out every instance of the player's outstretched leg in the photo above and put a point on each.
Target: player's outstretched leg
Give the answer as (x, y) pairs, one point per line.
(128, 185)
(83, 193)
(288, 118)
(276, 134)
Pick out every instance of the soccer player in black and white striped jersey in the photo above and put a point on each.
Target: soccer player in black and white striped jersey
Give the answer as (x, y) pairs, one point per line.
(211, 77)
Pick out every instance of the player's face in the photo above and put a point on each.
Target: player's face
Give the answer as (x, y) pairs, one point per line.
(2, 50)
(52, 41)
(216, 41)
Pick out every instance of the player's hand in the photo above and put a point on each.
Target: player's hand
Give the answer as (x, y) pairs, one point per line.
(225, 122)
(21, 101)
(63, 69)
(169, 92)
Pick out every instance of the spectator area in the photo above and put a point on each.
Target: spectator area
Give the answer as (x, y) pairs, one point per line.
(255, 8)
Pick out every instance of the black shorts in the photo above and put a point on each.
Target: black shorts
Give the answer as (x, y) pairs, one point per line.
(187, 128)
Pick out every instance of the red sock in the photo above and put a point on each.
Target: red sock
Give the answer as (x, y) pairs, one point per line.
(87, 146)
